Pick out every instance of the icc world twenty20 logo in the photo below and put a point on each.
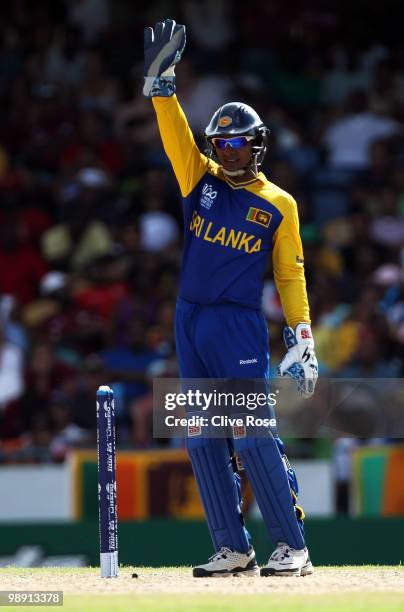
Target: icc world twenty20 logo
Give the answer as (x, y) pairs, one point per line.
(208, 196)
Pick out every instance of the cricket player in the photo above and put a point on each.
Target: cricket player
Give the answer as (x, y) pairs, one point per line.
(234, 218)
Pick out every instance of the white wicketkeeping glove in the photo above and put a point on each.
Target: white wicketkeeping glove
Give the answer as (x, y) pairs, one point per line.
(300, 361)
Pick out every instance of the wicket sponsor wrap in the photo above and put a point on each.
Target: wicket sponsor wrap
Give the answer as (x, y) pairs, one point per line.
(108, 520)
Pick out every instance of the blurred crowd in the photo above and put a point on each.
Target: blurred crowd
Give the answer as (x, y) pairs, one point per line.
(90, 214)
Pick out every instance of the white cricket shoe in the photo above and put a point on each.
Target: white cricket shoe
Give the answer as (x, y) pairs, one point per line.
(228, 562)
(286, 561)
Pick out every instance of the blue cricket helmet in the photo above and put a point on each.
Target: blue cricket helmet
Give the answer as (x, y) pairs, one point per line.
(238, 119)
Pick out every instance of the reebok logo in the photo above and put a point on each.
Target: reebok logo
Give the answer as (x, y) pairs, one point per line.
(248, 361)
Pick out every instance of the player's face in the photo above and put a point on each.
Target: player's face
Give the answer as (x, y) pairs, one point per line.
(232, 158)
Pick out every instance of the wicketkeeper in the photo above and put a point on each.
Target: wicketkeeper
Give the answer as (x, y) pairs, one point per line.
(234, 217)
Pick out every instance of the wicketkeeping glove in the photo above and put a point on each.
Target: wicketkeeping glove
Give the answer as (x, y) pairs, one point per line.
(163, 47)
(300, 361)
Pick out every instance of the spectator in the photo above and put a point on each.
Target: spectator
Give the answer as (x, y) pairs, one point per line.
(11, 372)
(79, 241)
(21, 265)
(67, 435)
(158, 229)
(98, 91)
(349, 138)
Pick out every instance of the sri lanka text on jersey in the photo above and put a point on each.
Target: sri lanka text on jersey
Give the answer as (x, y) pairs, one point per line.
(224, 236)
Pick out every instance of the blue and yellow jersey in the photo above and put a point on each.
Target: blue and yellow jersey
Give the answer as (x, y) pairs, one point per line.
(230, 228)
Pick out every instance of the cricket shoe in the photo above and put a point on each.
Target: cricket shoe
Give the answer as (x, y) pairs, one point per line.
(286, 561)
(228, 562)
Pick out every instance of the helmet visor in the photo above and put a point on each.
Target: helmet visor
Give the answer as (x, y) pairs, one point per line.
(239, 142)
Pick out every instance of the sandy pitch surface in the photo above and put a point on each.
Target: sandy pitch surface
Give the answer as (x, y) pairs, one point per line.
(179, 580)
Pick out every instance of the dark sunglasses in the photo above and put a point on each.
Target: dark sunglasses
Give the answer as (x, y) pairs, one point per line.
(235, 143)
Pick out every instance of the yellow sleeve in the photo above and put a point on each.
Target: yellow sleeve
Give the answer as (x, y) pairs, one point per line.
(288, 265)
(188, 163)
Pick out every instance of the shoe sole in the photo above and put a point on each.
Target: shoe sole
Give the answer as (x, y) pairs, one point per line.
(306, 570)
(201, 573)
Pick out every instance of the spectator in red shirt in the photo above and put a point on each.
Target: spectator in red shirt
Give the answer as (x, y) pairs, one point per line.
(21, 265)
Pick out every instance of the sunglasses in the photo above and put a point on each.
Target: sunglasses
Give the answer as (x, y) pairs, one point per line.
(235, 143)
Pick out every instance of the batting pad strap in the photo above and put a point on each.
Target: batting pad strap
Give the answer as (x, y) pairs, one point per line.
(269, 480)
(219, 491)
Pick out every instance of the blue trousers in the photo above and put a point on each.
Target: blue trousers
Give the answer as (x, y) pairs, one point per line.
(221, 341)
(231, 341)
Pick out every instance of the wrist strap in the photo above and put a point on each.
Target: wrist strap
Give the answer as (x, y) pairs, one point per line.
(303, 334)
(159, 86)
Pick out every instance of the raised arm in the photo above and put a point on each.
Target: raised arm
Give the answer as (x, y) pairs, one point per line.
(164, 45)
(187, 161)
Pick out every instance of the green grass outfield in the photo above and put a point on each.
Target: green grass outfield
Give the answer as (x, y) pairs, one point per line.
(347, 589)
(241, 603)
